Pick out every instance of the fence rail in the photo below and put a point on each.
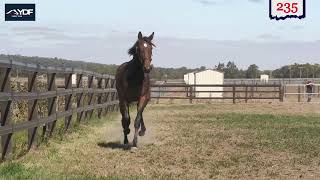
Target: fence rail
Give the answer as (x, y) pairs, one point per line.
(227, 91)
(101, 99)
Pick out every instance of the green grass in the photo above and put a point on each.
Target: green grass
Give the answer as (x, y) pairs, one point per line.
(17, 171)
(251, 140)
(300, 134)
(190, 141)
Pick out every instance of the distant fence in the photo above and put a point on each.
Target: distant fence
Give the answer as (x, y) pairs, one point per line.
(100, 98)
(297, 92)
(257, 81)
(271, 81)
(232, 92)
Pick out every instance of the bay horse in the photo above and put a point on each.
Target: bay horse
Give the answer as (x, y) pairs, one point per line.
(133, 85)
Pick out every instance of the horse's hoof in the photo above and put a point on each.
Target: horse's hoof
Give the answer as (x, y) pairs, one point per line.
(133, 149)
(142, 133)
(134, 143)
(125, 141)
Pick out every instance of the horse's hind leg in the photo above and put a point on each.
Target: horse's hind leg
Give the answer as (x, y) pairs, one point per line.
(124, 109)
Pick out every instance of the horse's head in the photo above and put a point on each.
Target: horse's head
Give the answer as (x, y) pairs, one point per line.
(143, 49)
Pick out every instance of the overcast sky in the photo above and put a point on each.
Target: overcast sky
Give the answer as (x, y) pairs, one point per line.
(188, 33)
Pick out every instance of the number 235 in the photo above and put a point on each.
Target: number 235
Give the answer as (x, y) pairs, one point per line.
(287, 7)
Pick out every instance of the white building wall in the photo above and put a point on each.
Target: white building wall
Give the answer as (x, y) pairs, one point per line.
(190, 78)
(74, 79)
(185, 78)
(264, 78)
(209, 77)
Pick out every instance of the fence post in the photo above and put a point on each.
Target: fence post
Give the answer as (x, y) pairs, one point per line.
(107, 94)
(190, 94)
(299, 93)
(234, 94)
(113, 94)
(93, 97)
(79, 85)
(281, 91)
(5, 108)
(52, 102)
(99, 100)
(89, 95)
(68, 99)
(285, 90)
(246, 93)
(159, 94)
(32, 107)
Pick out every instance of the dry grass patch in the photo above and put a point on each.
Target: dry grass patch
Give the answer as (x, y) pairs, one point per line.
(202, 141)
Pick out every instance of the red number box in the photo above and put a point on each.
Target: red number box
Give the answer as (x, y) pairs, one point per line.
(283, 9)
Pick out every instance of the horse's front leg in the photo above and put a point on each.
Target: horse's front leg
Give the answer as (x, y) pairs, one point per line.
(124, 109)
(143, 127)
(141, 105)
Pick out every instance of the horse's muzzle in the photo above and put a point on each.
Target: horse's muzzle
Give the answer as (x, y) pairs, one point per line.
(148, 69)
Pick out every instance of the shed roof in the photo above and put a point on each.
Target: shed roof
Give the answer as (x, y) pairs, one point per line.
(205, 70)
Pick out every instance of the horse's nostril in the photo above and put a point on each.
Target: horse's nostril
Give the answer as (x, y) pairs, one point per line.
(147, 70)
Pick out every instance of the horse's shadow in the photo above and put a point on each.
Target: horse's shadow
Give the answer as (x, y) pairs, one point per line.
(115, 145)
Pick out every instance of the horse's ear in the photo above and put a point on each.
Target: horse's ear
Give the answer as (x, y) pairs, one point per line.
(151, 36)
(140, 35)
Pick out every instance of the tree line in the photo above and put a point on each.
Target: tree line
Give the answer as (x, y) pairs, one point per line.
(230, 69)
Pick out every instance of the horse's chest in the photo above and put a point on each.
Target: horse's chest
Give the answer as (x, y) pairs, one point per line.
(135, 92)
(135, 79)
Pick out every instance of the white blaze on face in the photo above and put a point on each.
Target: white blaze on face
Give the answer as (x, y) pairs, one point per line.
(145, 45)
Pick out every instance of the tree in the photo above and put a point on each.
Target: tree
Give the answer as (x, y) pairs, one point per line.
(202, 68)
(231, 71)
(220, 67)
(252, 71)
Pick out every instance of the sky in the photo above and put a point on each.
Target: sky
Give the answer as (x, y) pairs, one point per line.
(190, 33)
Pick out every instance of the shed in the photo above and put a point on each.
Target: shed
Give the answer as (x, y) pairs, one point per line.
(189, 78)
(208, 76)
(74, 79)
(264, 78)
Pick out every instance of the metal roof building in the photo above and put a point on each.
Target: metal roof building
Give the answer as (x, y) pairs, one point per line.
(208, 76)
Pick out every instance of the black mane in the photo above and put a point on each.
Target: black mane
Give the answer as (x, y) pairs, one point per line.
(132, 51)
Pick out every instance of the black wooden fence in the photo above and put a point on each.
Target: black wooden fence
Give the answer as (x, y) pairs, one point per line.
(100, 99)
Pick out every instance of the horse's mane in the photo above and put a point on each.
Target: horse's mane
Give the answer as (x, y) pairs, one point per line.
(132, 51)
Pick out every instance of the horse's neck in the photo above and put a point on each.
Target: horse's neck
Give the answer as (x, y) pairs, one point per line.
(135, 63)
(135, 74)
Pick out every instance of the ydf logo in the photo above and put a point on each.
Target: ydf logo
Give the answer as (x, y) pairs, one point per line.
(20, 12)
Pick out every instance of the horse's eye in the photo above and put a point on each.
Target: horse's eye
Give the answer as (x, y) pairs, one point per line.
(145, 45)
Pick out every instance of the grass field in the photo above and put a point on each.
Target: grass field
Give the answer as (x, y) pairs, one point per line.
(200, 141)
